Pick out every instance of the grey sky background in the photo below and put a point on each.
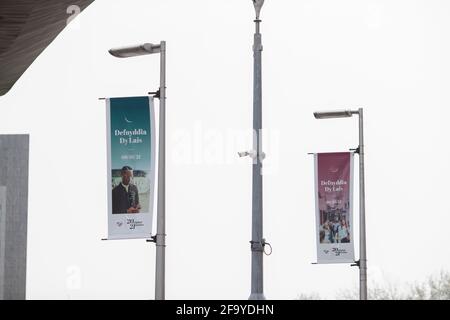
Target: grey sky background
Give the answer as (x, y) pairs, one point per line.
(390, 57)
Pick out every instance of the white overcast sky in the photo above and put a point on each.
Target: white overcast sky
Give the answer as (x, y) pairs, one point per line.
(390, 57)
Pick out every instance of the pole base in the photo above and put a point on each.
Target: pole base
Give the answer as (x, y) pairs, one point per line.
(257, 296)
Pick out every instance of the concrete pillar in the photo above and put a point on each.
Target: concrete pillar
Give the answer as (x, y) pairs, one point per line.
(14, 154)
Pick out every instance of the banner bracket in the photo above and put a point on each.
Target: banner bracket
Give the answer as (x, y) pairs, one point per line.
(355, 150)
(156, 94)
(356, 264)
(152, 239)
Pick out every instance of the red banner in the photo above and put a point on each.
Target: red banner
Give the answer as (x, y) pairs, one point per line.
(334, 205)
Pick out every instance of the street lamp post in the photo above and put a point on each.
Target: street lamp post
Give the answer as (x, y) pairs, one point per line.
(362, 263)
(160, 239)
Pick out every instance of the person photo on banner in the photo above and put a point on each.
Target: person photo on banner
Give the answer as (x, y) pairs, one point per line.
(125, 196)
(344, 234)
(325, 235)
(335, 226)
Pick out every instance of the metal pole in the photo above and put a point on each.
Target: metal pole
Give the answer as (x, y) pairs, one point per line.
(161, 215)
(257, 243)
(362, 212)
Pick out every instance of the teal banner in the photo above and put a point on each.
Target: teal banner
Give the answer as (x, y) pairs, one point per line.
(131, 166)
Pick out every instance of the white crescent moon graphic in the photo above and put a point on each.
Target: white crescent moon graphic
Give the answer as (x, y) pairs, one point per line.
(128, 121)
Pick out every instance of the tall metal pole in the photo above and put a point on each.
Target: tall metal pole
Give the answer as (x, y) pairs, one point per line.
(257, 243)
(160, 278)
(362, 212)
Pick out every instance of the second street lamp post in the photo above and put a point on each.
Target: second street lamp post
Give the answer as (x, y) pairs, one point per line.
(257, 243)
(160, 239)
(362, 263)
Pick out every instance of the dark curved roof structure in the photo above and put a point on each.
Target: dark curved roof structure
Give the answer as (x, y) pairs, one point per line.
(27, 27)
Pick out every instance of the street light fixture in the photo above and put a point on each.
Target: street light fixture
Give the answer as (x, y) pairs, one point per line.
(362, 263)
(334, 114)
(133, 51)
(160, 238)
